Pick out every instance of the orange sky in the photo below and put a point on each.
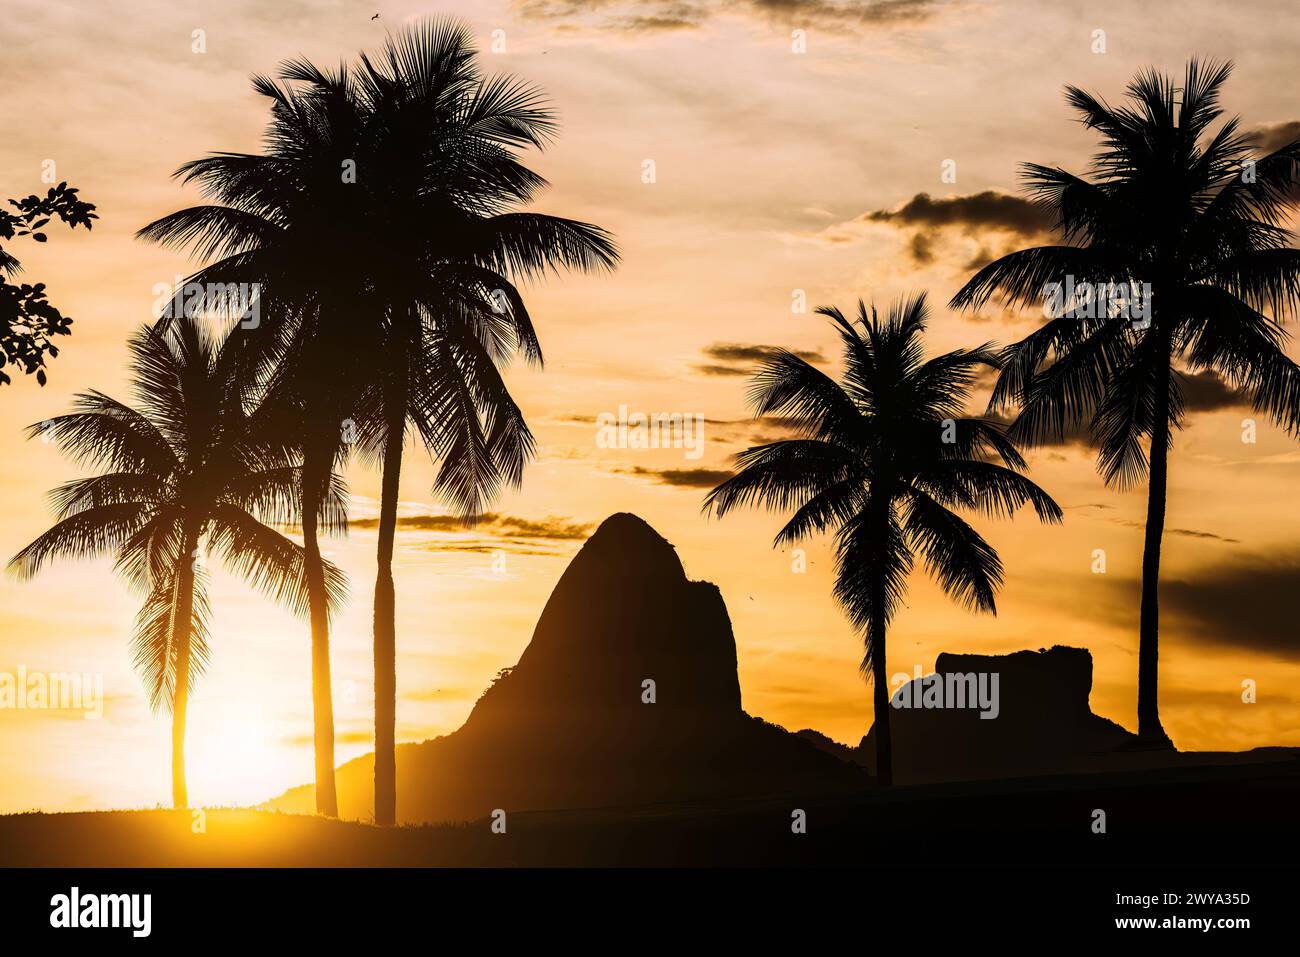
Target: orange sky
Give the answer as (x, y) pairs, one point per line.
(769, 164)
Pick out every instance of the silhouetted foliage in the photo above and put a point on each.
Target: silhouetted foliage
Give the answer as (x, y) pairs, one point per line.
(885, 456)
(1192, 215)
(383, 225)
(29, 322)
(192, 465)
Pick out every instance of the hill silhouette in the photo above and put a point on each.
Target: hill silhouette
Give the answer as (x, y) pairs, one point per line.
(1043, 722)
(572, 725)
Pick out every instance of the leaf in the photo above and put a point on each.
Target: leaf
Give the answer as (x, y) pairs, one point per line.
(39, 237)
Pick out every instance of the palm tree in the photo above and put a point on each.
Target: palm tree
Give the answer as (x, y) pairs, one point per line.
(1182, 214)
(883, 458)
(190, 465)
(405, 273)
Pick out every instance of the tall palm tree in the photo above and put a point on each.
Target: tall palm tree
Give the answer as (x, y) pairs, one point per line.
(1181, 212)
(404, 273)
(190, 465)
(883, 458)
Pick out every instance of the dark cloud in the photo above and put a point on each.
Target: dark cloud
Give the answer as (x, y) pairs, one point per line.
(843, 12)
(1076, 434)
(921, 248)
(683, 478)
(1246, 602)
(739, 359)
(630, 16)
(572, 418)
(490, 547)
(1273, 136)
(973, 215)
(1207, 392)
(552, 528)
(759, 431)
(718, 370)
(1202, 392)
(652, 16)
(986, 210)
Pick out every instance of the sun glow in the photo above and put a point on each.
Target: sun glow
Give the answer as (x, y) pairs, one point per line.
(236, 755)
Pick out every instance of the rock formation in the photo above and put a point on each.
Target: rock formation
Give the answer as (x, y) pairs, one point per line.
(626, 695)
(1043, 721)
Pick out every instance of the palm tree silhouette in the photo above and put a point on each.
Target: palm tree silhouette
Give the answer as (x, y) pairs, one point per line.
(883, 457)
(188, 465)
(1187, 212)
(404, 273)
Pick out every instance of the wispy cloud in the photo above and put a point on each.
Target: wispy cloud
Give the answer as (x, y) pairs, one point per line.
(659, 16)
(740, 359)
(683, 478)
(1181, 532)
(549, 528)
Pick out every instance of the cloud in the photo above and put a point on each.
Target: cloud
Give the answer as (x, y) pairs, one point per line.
(660, 16)
(995, 223)
(1244, 602)
(986, 210)
(757, 431)
(1202, 392)
(1180, 532)
(550, 528)
(1076, 434)
(738, 359)
(340, 737)
(1207, 392)
(682, 478)
(1273, 136)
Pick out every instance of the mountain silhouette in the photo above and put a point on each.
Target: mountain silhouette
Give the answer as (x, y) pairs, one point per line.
(1043, 721)
(626, 695)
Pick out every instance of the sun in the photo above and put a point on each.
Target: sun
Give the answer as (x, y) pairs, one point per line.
(237, 753)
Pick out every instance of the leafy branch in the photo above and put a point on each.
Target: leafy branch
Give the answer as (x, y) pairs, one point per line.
(28, 320)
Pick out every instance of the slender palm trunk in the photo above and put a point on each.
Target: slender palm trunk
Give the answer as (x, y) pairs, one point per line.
(1149, 727)
(385, 619)
(182, 624)
(876, 648)
(318, 610)
(880, 697)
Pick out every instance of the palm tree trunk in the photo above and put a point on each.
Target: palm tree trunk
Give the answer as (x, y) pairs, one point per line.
(318, 609)
(1149, 728)
(385, 620)
(182, 624)
(880, 696)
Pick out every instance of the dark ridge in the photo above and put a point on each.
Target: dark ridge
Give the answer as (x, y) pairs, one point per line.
(568, 726)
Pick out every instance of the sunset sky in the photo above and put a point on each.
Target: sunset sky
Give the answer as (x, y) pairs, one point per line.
(775, 172)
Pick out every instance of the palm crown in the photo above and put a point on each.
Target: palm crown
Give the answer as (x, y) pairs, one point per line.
(1185, 211)
(188, 464)
(1185, 214)
(883, 459)
(381, 224)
